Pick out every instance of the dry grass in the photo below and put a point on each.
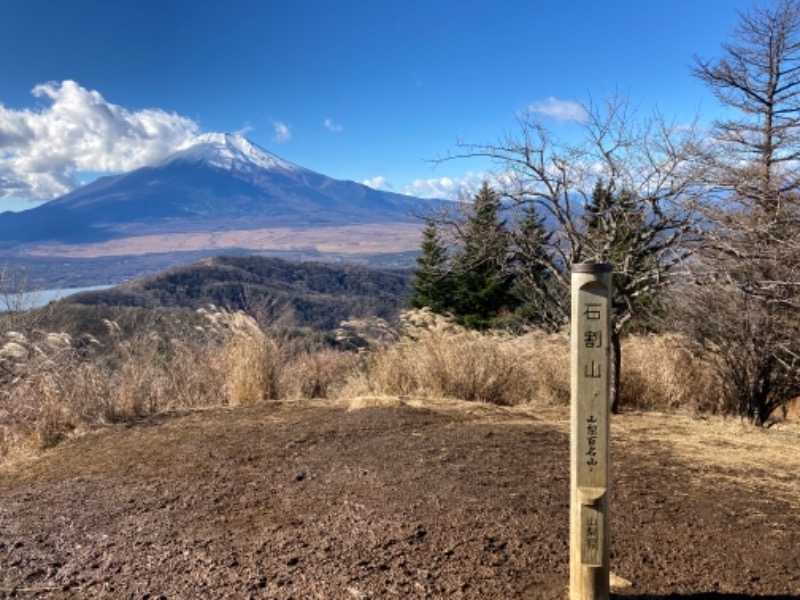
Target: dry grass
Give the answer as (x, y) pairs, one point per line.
(252, 361)
(438, 358)
(52, 385)
(661, 373)
(319, 374)
(727, 449)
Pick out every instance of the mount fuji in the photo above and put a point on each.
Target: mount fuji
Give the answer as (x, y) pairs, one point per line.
(219, 183)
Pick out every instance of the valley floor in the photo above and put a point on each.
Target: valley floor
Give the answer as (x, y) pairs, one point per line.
(390, 498)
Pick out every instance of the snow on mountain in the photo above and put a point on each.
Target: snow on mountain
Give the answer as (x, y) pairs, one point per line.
(229, 151)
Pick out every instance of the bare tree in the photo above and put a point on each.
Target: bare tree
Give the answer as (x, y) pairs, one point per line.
(751, 163)
(15, 290)
(646, 169)
(758, 76)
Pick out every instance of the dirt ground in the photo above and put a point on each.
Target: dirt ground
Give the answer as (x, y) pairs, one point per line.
(395, 498)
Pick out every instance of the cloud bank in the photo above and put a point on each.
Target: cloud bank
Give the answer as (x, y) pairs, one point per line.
(443, 188)
(42, 149)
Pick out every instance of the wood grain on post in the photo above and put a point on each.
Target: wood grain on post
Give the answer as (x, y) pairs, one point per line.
(591, 358)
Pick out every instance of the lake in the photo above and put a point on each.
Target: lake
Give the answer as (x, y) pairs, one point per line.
(39, 298)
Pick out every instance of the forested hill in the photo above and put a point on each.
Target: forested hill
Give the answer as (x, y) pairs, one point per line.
(295, 294)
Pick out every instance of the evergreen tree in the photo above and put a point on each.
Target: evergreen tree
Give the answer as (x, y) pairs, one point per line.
(539, 295)
(615, 224)
(432, 286)
(481, 268)
(616, 231)
(653, 159)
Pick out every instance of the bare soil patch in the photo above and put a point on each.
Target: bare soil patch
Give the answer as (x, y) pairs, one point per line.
(391, 498)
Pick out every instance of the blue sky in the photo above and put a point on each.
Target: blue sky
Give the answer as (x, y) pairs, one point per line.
(359, 90)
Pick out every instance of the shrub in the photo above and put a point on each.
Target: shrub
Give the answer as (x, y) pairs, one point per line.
(660, 372)
(438, 358)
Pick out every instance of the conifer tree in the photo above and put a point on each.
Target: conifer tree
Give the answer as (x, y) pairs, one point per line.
(649, 156)
(433, 285)
(615, 224)
(616, 231)
(481, 268)
(538, 293)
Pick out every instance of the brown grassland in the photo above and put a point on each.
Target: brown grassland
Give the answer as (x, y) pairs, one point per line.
(345, 239)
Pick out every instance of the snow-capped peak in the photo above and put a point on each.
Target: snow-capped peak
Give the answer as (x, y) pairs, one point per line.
(230, 151)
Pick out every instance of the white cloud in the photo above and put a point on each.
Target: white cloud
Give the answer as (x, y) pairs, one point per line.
(378, 183)
(331, 125)
(42, 149)
(446, 188)
(283, 131)
(244, 129)
(560, 110)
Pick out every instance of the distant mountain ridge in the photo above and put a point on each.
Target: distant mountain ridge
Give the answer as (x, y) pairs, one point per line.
(220, 182)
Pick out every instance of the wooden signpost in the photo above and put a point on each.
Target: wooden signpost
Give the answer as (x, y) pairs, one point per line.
(589, 533)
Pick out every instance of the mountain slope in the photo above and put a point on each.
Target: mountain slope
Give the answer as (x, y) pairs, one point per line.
(298, 294)
(221, 182)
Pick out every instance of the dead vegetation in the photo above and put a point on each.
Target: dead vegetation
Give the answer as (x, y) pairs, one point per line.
(55, 384)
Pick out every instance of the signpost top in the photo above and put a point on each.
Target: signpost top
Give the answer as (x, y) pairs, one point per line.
(591, 267)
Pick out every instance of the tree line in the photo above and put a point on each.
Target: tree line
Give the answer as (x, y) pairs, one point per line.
(701, 224)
